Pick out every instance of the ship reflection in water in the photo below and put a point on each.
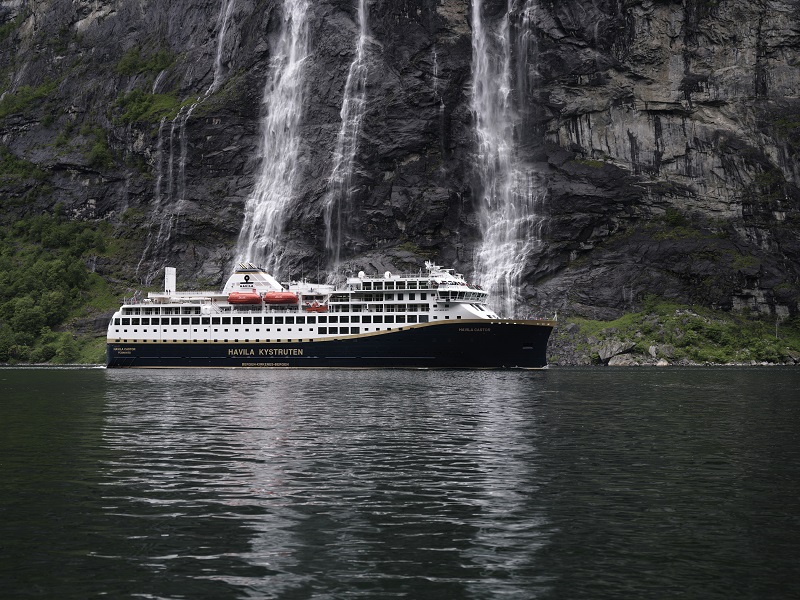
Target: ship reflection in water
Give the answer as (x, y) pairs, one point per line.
(561, 483)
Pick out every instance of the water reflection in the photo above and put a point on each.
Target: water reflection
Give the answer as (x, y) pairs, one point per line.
(571, 484)
(417, 484)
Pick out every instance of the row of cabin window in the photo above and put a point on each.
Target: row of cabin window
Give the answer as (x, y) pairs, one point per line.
(395, 285)
(125, 321)
(378, 297)
(162, 310)
(299, 320)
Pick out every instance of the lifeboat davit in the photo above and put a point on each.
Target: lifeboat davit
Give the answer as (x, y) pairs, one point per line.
(244, 298)
(280, 298)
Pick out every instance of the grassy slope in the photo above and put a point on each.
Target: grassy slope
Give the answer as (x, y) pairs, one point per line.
(683, 333)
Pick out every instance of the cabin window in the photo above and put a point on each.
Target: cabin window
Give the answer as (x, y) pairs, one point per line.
(412, 296)
(290, 320)
(184, 320)
(333, 330)
(312, 320)
(301, 320)
(126, 321)
(389, 319)
(389, 285)
(333, 319)
(412, 318)
(389, 297)
(366, 319)
(256, 320)
(206, 320)
(116, 321)
(215, 320)
(323, 330)
(423, 296)
(236, 320)
(195, 320)
(355, 319)
(377, 319)
(423, 318)
(344, 319)
(411, 285)
(400, 318)
(401, 285)
(247, 320)
(367, 285)
(378, 285)
(355, 330)
(279, 321)
(423, 285)
(267, 320)
(226, 320)
(323, 319)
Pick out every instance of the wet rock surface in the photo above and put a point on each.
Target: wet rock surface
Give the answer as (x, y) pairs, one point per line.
(664, 134)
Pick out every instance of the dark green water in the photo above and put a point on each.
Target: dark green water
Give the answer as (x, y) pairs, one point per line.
(567, 483)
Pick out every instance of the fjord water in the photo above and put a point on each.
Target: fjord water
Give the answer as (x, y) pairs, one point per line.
(566, 483)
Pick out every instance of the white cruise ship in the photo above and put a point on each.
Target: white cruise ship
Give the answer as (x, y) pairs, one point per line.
(431, 319)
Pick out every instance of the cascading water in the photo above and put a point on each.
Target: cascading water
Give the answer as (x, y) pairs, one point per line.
(284, 98)
(167, 211)
(340, 182)
(224, 17)
(509, 190)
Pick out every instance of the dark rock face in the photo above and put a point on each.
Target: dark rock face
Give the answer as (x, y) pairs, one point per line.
(665, 135)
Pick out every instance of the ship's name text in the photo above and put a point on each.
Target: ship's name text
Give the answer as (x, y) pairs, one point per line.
(265, 352)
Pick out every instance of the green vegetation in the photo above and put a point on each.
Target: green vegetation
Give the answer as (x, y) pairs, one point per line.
(13, 168)
(44, 283)
(99, 155)
(700, 335)
(589, 162)
(8, 28)
(414, 249)
(134, 63)
(25, 97)
(140, 107)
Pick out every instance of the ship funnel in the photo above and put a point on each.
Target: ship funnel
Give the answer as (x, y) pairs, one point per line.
(169, 280)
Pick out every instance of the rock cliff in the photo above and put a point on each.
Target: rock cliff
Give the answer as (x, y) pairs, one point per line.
(662, 136)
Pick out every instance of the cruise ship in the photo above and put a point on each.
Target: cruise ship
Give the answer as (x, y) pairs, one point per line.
(431, 319)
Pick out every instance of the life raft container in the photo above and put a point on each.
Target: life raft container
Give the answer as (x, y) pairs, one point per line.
(315, 307)
(244, 298)
(280, 298)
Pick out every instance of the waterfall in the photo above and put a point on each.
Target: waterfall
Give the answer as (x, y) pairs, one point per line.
(284, 99)
(167, 211)
(509, 190)
(340, 183)
(226, 8)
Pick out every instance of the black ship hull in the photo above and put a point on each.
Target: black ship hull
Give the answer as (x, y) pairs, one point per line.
(500, 344)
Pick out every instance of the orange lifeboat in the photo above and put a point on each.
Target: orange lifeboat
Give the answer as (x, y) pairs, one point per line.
(244, 298)
(315, 307)
(280, 298)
